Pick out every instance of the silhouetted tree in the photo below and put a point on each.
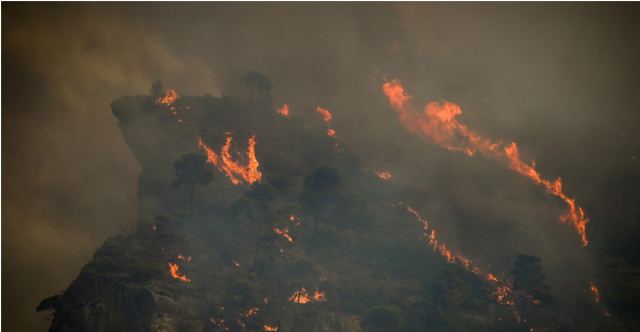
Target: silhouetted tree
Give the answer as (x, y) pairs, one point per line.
(528, 276)
(382, 319)
(317, 193)
(157, 89)
(259, 86)
(192, 169)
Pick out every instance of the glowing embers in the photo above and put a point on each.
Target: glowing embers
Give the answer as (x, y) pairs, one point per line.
(270, 328)
(174, 269)
(383, 175)
(595, 291)
(439, 124)
(284, 232)
(236, 172)
(327, 117)
(284, 110)
(250, 312)
(301, 296)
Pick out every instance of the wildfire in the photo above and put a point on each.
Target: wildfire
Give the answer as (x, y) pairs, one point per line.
(301, 296)
(327, 117)
(491, 277)
(439, 124)
(284, 232)
(169, 98)
(284, 110)
(270, 328)
(236, 172)
(175, 273)
(384, 175)
(596, 292)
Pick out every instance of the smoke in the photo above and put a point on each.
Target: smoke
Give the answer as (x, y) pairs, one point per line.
(560, 80)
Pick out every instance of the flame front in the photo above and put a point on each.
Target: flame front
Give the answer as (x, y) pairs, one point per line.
(236, 172)
(438, 123)
(175, 273)
(501, 289)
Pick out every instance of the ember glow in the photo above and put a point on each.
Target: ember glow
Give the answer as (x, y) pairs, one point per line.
(284, 110)
(438, 123)
(236, 172)
(595, 291)
(384, 175)
(327, 117)
(284, 232)
(250, 312)
(270, 328)
(175, 273)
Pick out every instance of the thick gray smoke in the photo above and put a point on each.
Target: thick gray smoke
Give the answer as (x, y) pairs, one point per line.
(561, 80)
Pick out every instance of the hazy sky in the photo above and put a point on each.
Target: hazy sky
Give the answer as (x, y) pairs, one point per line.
(562, 80)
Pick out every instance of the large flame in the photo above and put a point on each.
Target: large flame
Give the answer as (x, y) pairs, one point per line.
(438, 123)
(175, 273)
(236, 172)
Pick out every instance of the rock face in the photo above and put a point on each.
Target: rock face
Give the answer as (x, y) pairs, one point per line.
(316, 245)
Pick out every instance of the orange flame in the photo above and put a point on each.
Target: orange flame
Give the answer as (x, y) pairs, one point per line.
(595, 291)
(174, 269)
(384, 175)
(236, 172)
(319, 296)
(284, 110)
(270, 328)
(439, 124)
(327, 117)
(169, 98)
(301, 296)
(284, 232)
